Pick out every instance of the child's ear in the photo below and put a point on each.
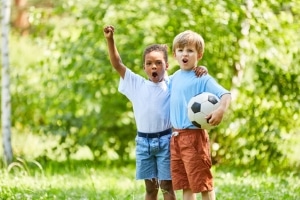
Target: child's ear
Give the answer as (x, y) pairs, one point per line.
(167, 66)
(200, 56)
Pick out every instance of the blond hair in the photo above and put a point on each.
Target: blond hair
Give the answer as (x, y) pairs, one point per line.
(188, 38)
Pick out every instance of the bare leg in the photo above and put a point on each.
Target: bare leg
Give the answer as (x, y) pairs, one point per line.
(188, 195)
(167, 190)
(151, 189)
(208, 195)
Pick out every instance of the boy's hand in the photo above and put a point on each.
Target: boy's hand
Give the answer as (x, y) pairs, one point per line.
(215, 117)
(200, 70)
(109, 31)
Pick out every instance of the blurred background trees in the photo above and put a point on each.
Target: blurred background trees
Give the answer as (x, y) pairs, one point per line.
(64, 85)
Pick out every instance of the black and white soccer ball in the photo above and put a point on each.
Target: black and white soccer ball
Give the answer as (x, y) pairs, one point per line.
(200, 106)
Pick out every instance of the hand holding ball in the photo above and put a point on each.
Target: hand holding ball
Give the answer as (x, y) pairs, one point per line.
(200, 106)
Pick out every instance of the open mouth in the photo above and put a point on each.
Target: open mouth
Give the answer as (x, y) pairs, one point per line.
(184, 60)
(154, 74)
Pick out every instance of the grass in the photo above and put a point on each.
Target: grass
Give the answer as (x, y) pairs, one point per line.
(85, 180)
(27, 179)
(257, 186)
(64, 181)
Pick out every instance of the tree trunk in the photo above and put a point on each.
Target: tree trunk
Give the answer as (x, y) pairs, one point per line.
(6, 101)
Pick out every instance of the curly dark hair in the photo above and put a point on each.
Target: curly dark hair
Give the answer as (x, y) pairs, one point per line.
(156, 47)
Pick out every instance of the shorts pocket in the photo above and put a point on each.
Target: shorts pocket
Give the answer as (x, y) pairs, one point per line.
(141, 145)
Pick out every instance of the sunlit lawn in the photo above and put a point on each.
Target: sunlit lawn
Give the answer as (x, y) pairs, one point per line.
(89, 181)
(77, 183)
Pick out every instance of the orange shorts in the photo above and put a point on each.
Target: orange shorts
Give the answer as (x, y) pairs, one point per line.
(191, 160)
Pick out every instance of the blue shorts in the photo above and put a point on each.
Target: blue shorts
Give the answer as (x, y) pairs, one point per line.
(153, 158)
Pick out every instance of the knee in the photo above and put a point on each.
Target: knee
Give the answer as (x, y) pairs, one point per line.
(151, 187)
(151, 191)
(166, 186)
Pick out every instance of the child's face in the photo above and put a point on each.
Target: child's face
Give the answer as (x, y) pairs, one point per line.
(155, 66)
(187, 57)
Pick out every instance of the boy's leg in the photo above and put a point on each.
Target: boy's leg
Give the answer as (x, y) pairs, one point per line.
(210, 195)
(163, 168)
(167, 190)
(151, 189)
(188, 194)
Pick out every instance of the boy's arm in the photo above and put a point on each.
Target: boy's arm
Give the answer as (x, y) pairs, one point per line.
(216, 117)
(114, 56)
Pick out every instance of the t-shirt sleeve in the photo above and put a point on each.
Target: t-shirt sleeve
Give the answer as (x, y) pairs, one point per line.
(129, 85)
(214, 87)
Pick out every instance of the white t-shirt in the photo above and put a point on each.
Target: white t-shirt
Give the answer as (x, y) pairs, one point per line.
(151, 102)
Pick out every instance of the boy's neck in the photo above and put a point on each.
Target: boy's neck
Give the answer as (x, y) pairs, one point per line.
(183, 69)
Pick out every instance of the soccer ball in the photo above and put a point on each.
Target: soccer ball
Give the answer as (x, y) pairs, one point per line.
(200, 106)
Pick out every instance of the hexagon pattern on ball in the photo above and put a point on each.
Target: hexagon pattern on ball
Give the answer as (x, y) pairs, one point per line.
(200, 106)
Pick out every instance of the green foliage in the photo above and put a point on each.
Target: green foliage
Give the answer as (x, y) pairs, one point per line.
(81, 102)
(253, 50)
(264, 110)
